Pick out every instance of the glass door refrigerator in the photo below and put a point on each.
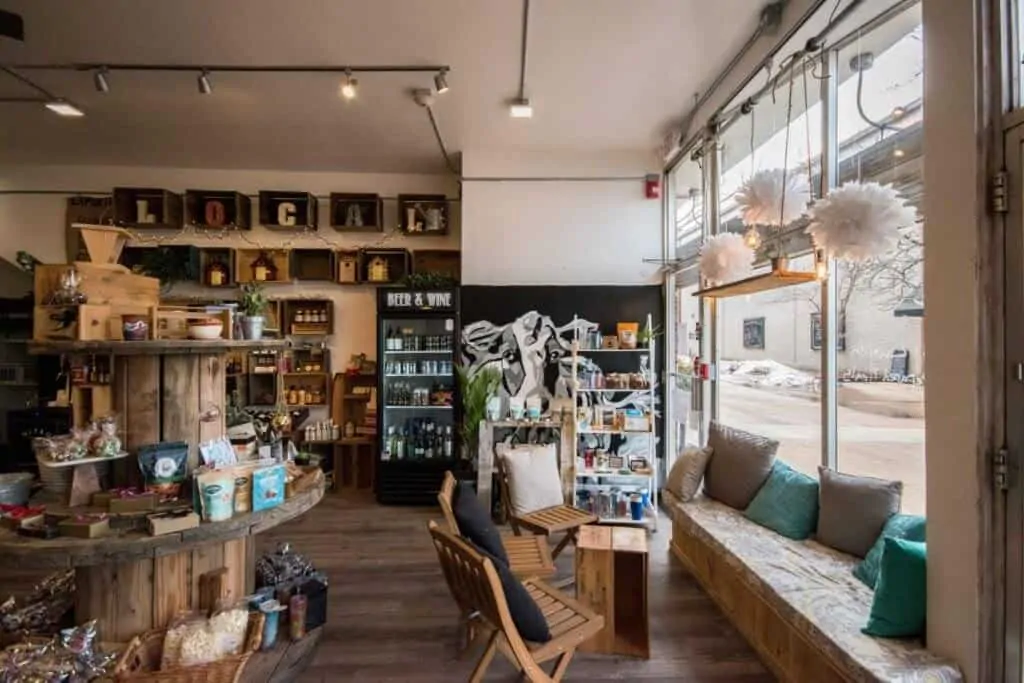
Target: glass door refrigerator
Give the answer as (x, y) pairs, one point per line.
(417, 348)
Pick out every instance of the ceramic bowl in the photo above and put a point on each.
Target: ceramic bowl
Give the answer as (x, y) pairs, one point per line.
(206, 331)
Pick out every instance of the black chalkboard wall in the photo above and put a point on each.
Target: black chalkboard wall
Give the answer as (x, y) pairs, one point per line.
(521, 316)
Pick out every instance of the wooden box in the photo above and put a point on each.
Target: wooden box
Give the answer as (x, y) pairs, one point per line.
(611, 577)
(171, 522)
(348, 267)
(84, 322)
(312, 264)
(208, 255)
(101, 284)
(356, 212)
(218, 210)
(447, 262)
(85, 526)
(292, 308)
(144, 502)
(423, 214)
(245, 257)
(287, 210)
(147, 207)
(397, 265)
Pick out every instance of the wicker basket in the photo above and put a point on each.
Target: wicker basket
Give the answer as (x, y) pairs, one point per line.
(140, 662)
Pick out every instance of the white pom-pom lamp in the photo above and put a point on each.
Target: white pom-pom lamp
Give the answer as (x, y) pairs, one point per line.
(859, 221)
(725, 258)
(773, 197)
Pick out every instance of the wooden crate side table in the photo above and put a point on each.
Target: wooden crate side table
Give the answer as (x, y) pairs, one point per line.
(611, 577)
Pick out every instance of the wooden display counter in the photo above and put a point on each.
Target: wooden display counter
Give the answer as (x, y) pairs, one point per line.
(136, 582)
(161, 391)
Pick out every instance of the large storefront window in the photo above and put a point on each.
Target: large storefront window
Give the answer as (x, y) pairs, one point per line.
(769, 367)
(881, 368)
(769, 344)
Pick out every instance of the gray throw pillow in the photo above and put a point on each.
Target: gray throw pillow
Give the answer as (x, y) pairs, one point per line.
(684, 478)
(740, 464)
(853, 510)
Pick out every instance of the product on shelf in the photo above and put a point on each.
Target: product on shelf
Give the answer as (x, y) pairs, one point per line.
(419, 439)
(43, 609)
(71, 656)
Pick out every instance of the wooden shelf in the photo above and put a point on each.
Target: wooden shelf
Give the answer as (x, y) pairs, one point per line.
(759, 283)
(302, 210)
(163, 208)
(369, 208)
(157, 347)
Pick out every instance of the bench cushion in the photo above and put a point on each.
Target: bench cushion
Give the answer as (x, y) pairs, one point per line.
(813, 589)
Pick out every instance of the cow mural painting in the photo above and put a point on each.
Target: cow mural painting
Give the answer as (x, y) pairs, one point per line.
(534, 356)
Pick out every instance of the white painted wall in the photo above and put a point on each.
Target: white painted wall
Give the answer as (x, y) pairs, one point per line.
(520, 227)
(35, 223)
(953, 204)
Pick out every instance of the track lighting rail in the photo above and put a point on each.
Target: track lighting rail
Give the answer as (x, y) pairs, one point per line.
(237, 68)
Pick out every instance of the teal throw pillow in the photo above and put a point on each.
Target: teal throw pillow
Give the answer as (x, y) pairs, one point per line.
(907, 527)
(898, 610)
(787, 503)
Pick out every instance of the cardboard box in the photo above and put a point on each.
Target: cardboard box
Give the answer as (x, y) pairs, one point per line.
(172, 522)
(143, 502)
(85, 526)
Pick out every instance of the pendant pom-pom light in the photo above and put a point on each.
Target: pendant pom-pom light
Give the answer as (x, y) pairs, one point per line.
(725, 258)
(859, 221)
(773, 197)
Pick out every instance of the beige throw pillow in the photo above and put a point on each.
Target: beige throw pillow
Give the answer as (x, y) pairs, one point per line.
(534, 480)
(684, 479)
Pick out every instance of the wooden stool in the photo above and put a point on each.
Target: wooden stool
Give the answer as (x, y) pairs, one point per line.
(611, 577)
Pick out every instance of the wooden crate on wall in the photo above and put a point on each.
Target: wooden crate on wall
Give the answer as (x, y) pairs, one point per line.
(312, 264)
(279, 207)
(345, 207)
(245, 257)
(218, 210)
(447, 262)
(147, 208)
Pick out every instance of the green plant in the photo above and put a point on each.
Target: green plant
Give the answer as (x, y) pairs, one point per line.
(169, 264)
(428, 280)
(474, 390)
(254, 299)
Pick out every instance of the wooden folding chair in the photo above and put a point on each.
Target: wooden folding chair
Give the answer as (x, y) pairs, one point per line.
(527, 555)
(476, 587)
(548, 521)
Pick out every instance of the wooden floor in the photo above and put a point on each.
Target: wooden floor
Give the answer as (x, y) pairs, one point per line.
(392, 619)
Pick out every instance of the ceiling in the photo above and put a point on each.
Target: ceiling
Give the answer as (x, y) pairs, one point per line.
(602, 75)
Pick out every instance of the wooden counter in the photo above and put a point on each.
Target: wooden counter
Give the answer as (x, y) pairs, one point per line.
(135, 582)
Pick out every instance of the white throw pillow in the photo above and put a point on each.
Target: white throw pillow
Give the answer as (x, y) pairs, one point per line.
(687, 472)
(534, 480)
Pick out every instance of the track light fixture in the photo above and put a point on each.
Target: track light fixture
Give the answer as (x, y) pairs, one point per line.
(205, 86)
(441, 82)
(349, 85)
(99, 79)
(520, 108)
(62, 107)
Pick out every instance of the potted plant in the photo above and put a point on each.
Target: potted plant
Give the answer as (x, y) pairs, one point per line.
(253, 306)
(474, 390)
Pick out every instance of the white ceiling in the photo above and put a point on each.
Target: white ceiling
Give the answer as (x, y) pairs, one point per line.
(602, 75)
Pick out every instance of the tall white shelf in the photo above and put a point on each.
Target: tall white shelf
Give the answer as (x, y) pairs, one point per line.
(612, 479)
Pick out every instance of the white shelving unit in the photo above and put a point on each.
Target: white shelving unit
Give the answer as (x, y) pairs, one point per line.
(607, 481)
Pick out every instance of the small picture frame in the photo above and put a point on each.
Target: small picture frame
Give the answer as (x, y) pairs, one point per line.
(616, 462)
(638, 464)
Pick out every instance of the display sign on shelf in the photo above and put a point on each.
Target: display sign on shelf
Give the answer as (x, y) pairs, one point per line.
(421, 300)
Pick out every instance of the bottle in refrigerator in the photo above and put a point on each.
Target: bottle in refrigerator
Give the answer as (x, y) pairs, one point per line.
(389, 444)
(448, 444)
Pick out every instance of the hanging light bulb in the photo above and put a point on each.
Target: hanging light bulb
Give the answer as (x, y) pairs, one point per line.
(820, 264)
(752, 237)
(898, 153)
(348, 87)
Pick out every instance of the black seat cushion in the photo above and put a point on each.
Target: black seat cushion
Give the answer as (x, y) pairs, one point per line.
(475, 523)
(526, 615)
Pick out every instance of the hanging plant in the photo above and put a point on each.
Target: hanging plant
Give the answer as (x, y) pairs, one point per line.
(773, 197)
(725, 258)
(859, 221)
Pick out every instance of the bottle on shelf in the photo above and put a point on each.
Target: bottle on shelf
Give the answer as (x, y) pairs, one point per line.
(448, 445)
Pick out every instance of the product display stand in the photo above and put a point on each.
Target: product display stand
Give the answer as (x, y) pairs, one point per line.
(603, 480)
(131, 583)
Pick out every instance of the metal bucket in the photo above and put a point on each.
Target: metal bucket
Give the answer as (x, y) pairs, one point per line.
(15, 488)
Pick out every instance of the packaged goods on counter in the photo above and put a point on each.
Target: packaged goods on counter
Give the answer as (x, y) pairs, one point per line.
(164, 467)
(282, 565)
(192, 639)
(71, 657)
(285, 574)
(268, 487)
